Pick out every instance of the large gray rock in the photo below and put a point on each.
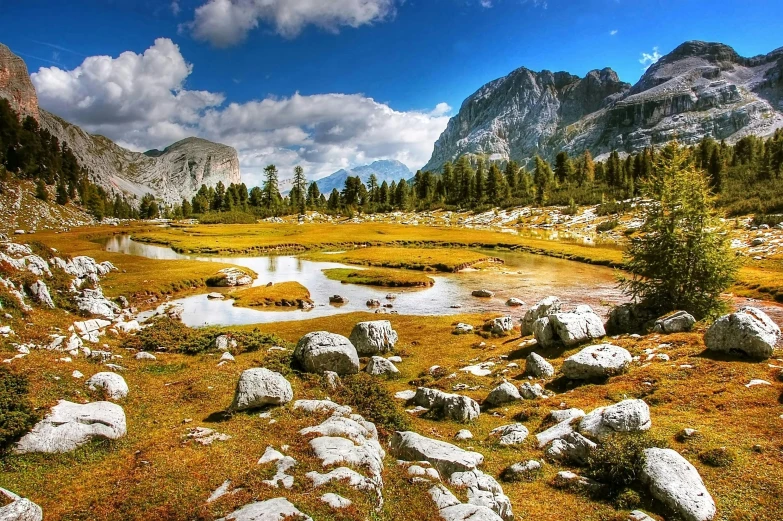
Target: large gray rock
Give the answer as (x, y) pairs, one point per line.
(676, 483)
(512, 434)
(259, 387)
(40, 294)
(544, 333)
(748, 331)
(112, 384)
(537, 365)
(230, 277)
(631, 415)
(380, 366)
(571, 448)
(19, 508)
(598, 361)
(677, 322)
(277, 509)
(503, 393)
(445, 457)
(501, 326)
(70, 425)
(322, 351)
(453, 406)
(565, 425)
(578, 327)
(484, 490)
(374, 337)
(451, 509)
(541, 309)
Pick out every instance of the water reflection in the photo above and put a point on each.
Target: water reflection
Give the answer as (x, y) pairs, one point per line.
(525, 276)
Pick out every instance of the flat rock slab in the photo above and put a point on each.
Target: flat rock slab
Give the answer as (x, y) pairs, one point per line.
(70, 425)
(277, 509)
(445, 457)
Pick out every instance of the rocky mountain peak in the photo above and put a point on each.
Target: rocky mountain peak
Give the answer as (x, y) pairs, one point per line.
(172, 174)
(699, 89)
(15, 84)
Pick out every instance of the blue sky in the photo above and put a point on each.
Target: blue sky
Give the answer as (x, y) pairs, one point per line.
(409, 57)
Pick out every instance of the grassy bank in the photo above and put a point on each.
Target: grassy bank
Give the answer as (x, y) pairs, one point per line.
(277, 238)
(138, 277)
(380, 277)
(420, 259)
(282, 294)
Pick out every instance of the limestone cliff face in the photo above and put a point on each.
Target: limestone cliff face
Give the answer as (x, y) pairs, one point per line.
(15, 84)
(699, 89)
(171, 175)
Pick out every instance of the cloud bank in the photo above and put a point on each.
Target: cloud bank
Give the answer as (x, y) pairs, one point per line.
(142, 102)
(224, 23)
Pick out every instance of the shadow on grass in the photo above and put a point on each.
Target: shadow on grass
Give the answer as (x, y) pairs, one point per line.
(733, 356)
(218, 417)
(563, 384)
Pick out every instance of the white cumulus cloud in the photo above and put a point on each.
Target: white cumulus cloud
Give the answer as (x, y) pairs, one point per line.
(648, 59)
(141, 101)
(224, 23)
(613, 32)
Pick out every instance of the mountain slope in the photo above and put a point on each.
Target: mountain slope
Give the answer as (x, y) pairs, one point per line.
(699, 89)
(385, 170)
(171, 175)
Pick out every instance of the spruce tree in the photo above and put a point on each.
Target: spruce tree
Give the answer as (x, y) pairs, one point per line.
(681, 259)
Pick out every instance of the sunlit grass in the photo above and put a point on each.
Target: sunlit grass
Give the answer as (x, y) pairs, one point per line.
(282, 294)
(379, 277)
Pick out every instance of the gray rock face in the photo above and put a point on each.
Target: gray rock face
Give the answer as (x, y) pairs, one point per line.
(374, 337)
(503, 393)
(537, 365)
(501, 326)
(453, 406)
(112, 384)
(41, 294)
(677, 322)
(451, 509)
(565, 420)
(625, 416)
(322, 351)
(484, 490)
(571, 448)
(70, 425)
(513, 434)
(578, 327)
(627, 318)
(544, 333)
(699, 89)
(541, 309)
(598, 361)
(445, 457)
(275, 509)
(259, 387)
(749, 331)
(483, 293)
(19, 509)
(230, 277)
(380, 366)
(677, 484)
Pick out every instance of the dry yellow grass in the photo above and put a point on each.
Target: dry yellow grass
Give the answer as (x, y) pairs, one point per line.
(282, 294)
(138, 277)
(424, 259)
(154, 474)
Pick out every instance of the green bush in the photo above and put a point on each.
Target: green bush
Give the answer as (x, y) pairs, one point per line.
(607, 225)
(718, 457)
(168, 334)
(619, 460)
(628, 499)
(16, 412)
(613, 207)
(233, 217)
(769, 220)
(373, 401)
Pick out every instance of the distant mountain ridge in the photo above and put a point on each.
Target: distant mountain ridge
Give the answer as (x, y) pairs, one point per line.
(175, 173)
(699, 89)
(385, 170)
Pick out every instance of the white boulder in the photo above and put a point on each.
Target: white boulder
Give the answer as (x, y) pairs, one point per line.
(259, 387)
(373, 337)
(112, 384)
(749, 331)
(70, 425)
(676, 483)
(322, 351)
(597, 361)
